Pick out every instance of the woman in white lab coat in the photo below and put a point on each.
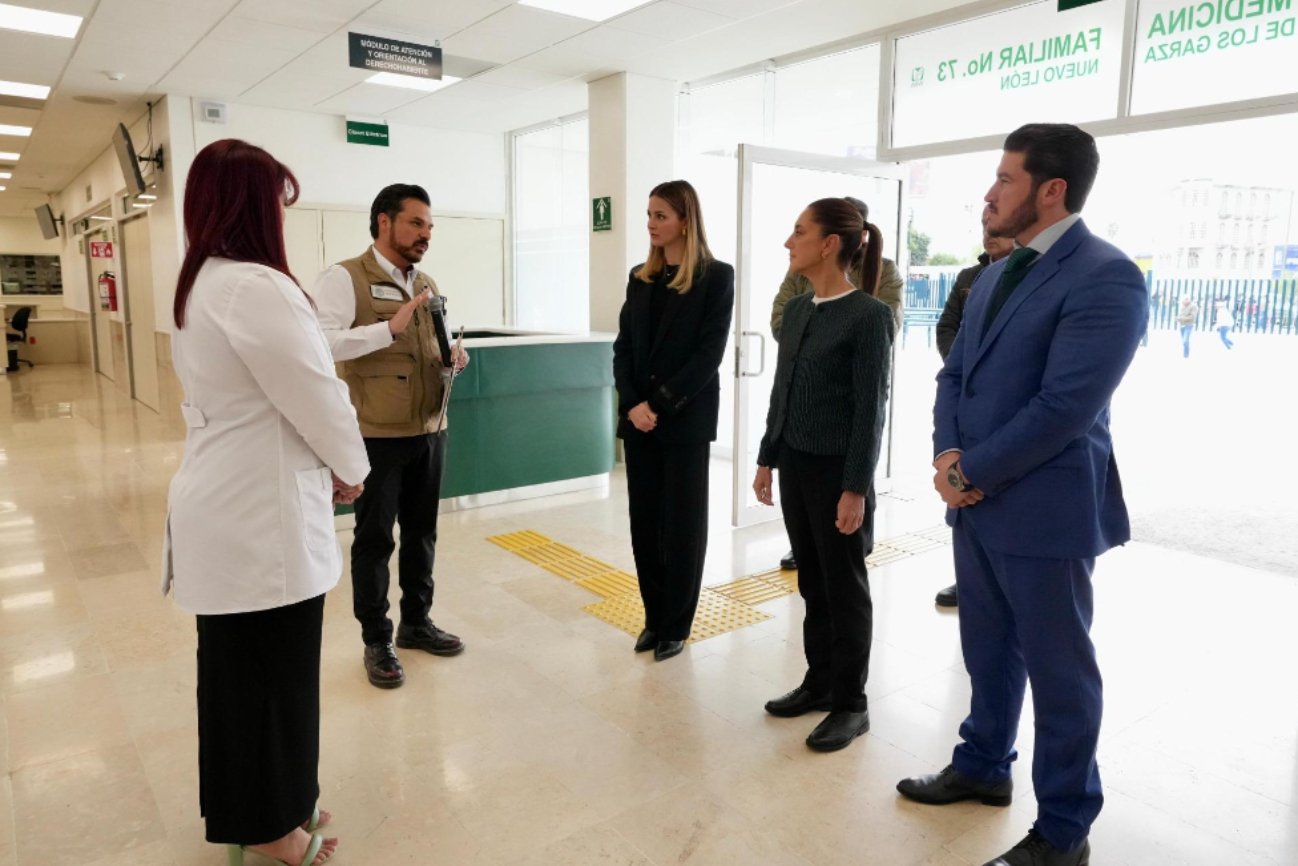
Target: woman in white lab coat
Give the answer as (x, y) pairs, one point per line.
(272, 444)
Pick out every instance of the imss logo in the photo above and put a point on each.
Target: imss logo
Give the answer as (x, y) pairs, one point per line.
(917, 77)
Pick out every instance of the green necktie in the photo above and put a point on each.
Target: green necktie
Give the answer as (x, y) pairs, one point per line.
(1015, 270)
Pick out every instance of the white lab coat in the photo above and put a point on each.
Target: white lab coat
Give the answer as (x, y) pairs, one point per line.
(250, 511)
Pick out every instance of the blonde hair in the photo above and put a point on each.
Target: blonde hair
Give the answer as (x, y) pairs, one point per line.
(682, 198)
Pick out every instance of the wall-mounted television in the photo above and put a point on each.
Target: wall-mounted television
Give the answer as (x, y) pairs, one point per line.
(128, 160)
(49, 225)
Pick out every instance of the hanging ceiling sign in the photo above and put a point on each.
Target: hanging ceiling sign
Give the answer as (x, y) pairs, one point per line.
(1038, 63)
(1192, 54)
(391, 55)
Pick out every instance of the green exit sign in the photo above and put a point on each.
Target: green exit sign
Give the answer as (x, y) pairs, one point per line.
(601, 214)
(1065, 5)
(367, 133)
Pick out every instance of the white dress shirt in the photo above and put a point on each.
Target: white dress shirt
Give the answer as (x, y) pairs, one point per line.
(335, 299)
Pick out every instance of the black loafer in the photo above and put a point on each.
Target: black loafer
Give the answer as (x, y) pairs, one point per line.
(838, 730)
(798, 702)
(430, 639)
(382, 666)
(789, 563)
(947, 597)
(668, 648)
(1036, 851)
(648, 640)
(949, 786)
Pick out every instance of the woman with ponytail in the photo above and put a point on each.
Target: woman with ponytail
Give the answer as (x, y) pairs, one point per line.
(824, 432)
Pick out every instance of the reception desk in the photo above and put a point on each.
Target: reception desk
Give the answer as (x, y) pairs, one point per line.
(531, 415)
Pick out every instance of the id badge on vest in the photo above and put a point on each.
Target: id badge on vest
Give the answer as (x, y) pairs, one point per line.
(387, 293)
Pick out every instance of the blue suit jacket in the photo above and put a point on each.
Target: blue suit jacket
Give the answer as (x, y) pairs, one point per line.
(1028, 401)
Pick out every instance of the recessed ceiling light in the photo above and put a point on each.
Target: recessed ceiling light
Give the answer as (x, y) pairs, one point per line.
(147, 197)
(15, 130)
(2, 189)
(391, 79)
(94, 100)
(4, 175)
(137, 204)
(8, 157)
(38, 21)
(26, 91)
(103, 219)
(591, 10)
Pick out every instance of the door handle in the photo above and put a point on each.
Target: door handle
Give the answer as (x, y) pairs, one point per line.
(761, 357)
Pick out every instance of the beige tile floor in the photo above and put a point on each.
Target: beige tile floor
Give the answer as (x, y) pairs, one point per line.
(549, 742)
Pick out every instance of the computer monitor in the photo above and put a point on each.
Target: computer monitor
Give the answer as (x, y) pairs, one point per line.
(49, 225)
(126, 158)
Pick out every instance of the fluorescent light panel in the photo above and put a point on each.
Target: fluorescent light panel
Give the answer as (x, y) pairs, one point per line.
(38, 21)
(8, 157)
(410, 82)
(23, 131)
(4, 175)
(147, 197)
(2, 189)
(26, 91)
(591, 10)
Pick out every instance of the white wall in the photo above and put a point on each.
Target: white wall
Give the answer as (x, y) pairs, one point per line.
(22, 236)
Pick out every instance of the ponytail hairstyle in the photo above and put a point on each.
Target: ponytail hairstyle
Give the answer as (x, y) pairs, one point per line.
(860, 250)
(681, 198)
(234, 209)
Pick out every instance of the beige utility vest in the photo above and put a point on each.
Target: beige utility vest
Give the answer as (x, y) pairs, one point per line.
(397, 391)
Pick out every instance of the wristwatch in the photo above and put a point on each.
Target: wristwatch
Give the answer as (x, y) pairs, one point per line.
(954, 478)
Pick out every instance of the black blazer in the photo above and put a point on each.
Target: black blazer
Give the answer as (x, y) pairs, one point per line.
(675, 369)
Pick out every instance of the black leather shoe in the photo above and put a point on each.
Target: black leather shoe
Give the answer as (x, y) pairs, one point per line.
(789, 563)
(382, 666)
(647, 641)
(668, 648)
(839, 729)
(798, 702)
(949, 786)
(430, 639)
(947, 597)
(1036, 851)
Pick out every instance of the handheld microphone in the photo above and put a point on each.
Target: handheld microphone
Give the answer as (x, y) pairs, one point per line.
(437, 309)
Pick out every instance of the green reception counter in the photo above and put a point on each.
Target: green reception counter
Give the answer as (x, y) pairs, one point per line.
(531, 415)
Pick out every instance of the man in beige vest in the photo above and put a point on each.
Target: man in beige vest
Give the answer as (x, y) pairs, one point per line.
(373, 312)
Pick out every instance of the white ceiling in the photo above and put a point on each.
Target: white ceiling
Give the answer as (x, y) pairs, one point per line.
(521, 65)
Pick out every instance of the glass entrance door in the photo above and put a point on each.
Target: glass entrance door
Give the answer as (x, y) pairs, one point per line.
(774, 187)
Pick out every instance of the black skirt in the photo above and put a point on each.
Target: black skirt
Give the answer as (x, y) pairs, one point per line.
(259, 721)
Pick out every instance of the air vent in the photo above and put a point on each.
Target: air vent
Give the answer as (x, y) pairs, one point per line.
(94, 100)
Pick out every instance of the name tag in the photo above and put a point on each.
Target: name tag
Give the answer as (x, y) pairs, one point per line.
(386, 293)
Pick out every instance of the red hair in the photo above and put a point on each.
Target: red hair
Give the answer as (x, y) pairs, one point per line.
(234, 209)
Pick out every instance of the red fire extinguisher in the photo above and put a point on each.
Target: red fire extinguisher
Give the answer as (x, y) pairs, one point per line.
(108, 291)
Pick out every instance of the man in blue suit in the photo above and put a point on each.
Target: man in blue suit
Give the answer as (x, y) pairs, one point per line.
(1025, 463)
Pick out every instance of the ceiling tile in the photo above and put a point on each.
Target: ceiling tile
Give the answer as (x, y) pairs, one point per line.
(32, 59)
(232, 62)
(428, 19)
(18, 117)
(295, 88)
(324, 16)
(372, 99)
(513, 33)
(143, 59)
(515, 75)
(670, 21)
(738, 8)
(114, 19)
(262, 34)
(600, 49)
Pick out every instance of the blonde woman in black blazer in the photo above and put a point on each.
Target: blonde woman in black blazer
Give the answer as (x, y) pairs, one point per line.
(671, 337)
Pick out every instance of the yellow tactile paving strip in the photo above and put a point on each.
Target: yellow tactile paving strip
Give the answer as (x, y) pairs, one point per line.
(722, 608)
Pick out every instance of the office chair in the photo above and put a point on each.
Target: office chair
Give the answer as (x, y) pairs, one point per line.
(19, 324)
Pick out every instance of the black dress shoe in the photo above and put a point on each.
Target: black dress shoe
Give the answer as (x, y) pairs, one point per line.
(430, 639)
(1036, 851)
(668, 648)
(800, 701)
(647, 641)
(838, 729)
(947, 597)
(789, 563)
(382, 666)
(949, 786)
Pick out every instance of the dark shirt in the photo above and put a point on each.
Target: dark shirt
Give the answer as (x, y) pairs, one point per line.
(659, 294)
(953, 313)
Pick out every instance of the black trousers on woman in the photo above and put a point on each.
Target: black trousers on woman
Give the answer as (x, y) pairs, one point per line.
(259, 721)
(832, 579)
(668, 488)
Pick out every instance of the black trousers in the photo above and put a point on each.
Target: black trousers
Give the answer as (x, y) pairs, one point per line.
(405, 485)
(668, 490)
(259, 721)
(832, 579)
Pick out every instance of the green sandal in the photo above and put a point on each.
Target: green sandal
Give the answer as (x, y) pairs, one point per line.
(315, 823)
(234, 853)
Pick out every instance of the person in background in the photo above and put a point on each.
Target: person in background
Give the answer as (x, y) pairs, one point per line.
(1025, 463)
(1223, 323)
(891, 291)
(1186, 316)
(994, 249)
(672, 334)
(824, 432)
(249, 544)
(373, 311)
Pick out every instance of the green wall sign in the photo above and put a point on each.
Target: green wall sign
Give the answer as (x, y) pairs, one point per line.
(601, 213)
(1065, 5)
(367, 133)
